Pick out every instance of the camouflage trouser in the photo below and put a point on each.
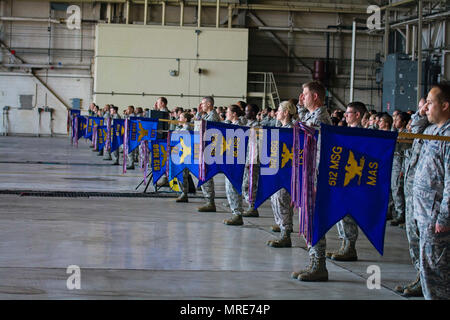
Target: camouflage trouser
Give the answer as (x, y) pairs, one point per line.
(434, 247)
(282, 209)
(412, 230)
(130, 158)
(136, 154)
(391, 207)
(208, 191)
(348, 229)
(106, 154)
(318, 250)
(398, 196)
(234, 198)
(115, 156)
(246, 185)
(185, 186)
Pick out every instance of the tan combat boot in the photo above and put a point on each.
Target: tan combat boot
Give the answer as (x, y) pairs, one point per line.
(163, 182)
(318, 271)
(252, 213)
(236, 220)
(295, 274)
(400, 288)
(414, 289)
(209, 207)
(348, 254)
(182, 198)
(275, 228)
(283, 242)
(339, 251)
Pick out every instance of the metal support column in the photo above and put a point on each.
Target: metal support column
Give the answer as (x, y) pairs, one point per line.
(181, 13)
(419, 51)
(386, 34)
(230, 15)
(145, 12)
(217, 13)
(352, 71)
(163, 14)
(199, 13)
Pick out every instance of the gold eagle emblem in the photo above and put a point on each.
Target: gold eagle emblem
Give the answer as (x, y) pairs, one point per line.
(142, 132)
(353, 169)
(286, 155)
(185, 149)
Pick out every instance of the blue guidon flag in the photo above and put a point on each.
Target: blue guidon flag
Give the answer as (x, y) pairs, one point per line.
(102, 132)
(184, 153)
(141, 129)
(354, 179)
(158, 158)
(118, 130)
(225, 151)
(276, 162)
(90, 126)
(78, 127)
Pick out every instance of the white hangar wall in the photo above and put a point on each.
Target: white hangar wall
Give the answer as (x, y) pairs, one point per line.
(134, 65)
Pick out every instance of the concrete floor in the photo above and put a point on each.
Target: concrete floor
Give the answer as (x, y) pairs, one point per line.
(154, 248)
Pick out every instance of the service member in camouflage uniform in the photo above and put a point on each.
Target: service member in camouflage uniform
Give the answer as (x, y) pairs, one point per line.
(96, 112)
(113, 111)
(106, 115)
(242, 106)
(418, 124)
(347, 227)
(301, 110)
(233, 197)
(251, 111)
(130, 157)
(398, 170)
(313, 99)
(207, 105)
(115, 155)
(186, 118)
(431, 196)
(281, 200)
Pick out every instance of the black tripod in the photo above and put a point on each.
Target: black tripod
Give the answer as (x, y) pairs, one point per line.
(150, 179)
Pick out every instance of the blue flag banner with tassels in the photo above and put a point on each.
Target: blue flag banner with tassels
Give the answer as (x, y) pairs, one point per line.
(90, 126)
(225, 151)
(158, 159)
(184, 153)
(276, 162)
(354, 179)
(78, 127)
(118, 130)
(141, 129)
(102, 132)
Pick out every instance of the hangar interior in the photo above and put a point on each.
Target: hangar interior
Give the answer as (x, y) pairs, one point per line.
(60, 55)
(263, 51)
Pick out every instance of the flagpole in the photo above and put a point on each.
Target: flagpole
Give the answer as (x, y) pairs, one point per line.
(176, 122)
(406, 136)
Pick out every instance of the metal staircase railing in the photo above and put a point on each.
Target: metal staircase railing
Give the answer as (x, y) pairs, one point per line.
(262, 85)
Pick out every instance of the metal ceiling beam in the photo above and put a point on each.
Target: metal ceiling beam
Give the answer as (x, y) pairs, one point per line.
(284, 48)
(277, 40)
(283, 6)
(313, 30)
(435, 16)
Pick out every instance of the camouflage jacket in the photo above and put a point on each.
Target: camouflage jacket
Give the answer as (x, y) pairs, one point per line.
(433, 172)
(315, 118)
